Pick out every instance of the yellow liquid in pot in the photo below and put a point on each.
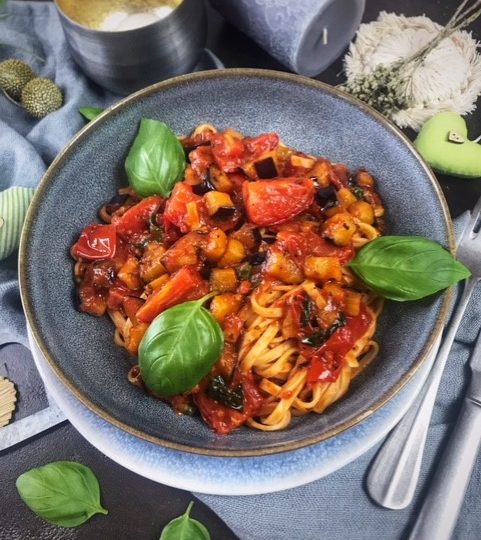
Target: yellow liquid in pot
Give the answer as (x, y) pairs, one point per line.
(116, 15)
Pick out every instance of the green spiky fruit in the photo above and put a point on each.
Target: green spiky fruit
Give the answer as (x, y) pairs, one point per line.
(14, 75)
(41, 97)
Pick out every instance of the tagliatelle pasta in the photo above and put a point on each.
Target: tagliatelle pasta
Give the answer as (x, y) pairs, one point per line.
(270, 231)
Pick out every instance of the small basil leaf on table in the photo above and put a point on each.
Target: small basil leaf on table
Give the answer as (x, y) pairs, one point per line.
(407, 267)
(179, 348)
(64, 493)
(156, 159)
(185, 528)
(89, 113)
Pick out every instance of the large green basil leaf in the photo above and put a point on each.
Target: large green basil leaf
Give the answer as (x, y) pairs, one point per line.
(185, 528)
(64, 493)
(179, 348)
(407, 267)
(156, 160)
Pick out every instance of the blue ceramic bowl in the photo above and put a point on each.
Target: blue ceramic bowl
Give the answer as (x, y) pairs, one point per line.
(308, 115)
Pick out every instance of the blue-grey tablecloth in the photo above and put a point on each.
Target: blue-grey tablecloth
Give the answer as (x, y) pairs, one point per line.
(336, 507)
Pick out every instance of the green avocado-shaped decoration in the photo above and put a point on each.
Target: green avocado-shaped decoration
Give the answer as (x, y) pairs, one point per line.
(14, 202)
(443, 143)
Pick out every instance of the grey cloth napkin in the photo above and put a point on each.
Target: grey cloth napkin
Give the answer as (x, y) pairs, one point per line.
(336, 507)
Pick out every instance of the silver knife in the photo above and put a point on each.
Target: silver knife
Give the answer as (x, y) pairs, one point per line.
(23, 429)
(445, 497)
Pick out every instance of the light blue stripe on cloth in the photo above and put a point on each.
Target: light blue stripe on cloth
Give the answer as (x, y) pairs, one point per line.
(14, 202)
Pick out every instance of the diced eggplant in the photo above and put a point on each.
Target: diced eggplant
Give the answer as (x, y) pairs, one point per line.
(266, 168)
(269, 237)
(224, 212)
(190, 146)
(205, 186)
(257, 258)
(116, 202)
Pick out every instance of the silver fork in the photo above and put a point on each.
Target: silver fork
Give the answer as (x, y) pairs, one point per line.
(394, 474)
(440, 510)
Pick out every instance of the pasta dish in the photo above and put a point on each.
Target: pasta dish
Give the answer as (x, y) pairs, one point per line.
(268, 230)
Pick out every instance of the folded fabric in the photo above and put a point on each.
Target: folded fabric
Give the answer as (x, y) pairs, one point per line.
(14, 202)
(336, 507)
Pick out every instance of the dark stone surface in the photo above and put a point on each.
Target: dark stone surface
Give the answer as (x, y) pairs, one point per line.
(140, 508)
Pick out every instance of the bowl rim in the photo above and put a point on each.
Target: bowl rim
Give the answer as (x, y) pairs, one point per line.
(173, 82)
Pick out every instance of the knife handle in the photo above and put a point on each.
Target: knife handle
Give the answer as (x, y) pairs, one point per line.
(445, 497)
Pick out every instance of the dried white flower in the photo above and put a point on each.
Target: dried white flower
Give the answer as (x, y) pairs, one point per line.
(449, 78)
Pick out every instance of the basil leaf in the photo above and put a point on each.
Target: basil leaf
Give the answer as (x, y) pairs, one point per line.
(179, 348)
(407, 267)
(185, 528)
(319, 337)
(306, 311)
(156, 160)
(231, 397)
(89, 113)
(64, 493)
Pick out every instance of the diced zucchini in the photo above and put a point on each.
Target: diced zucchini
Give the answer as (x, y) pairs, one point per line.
(363, 178)
(220, 180)
(151, 266)
(234, 253)
(280, 266)
(302, 161)
(339, 228)
(321, 171)
(352, 303)
(192, 216)
(216, 245)
(323, 268)
(345, 197)
(129, 273)
(223, 280)
(363, 211)
(191, 177)
(215, 200)
(225, 304)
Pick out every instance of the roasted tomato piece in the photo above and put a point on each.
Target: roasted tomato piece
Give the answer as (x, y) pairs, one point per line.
(221, 418)
(91, 300)
(175, 212)
(185, 285)
(328, 359)
(228, 152)
(96, 242)
(187, 251)
(301, 244)
(269, 202)
(118, 293)
(134, 225)
(256, 146)
(200, 160)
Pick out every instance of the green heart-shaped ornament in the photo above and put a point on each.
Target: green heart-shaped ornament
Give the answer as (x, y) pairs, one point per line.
(443, 143)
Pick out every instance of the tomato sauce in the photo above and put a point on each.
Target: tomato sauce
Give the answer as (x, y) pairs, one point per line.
(249, 215)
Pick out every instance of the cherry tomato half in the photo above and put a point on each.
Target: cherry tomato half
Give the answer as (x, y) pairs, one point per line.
(96, 242)
(228, 152)
(269, 202)
(134, 225)
(256, 146)
(328, 360)
(176, 206)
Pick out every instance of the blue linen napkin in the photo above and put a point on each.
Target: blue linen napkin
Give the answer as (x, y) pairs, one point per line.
(336, 507)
